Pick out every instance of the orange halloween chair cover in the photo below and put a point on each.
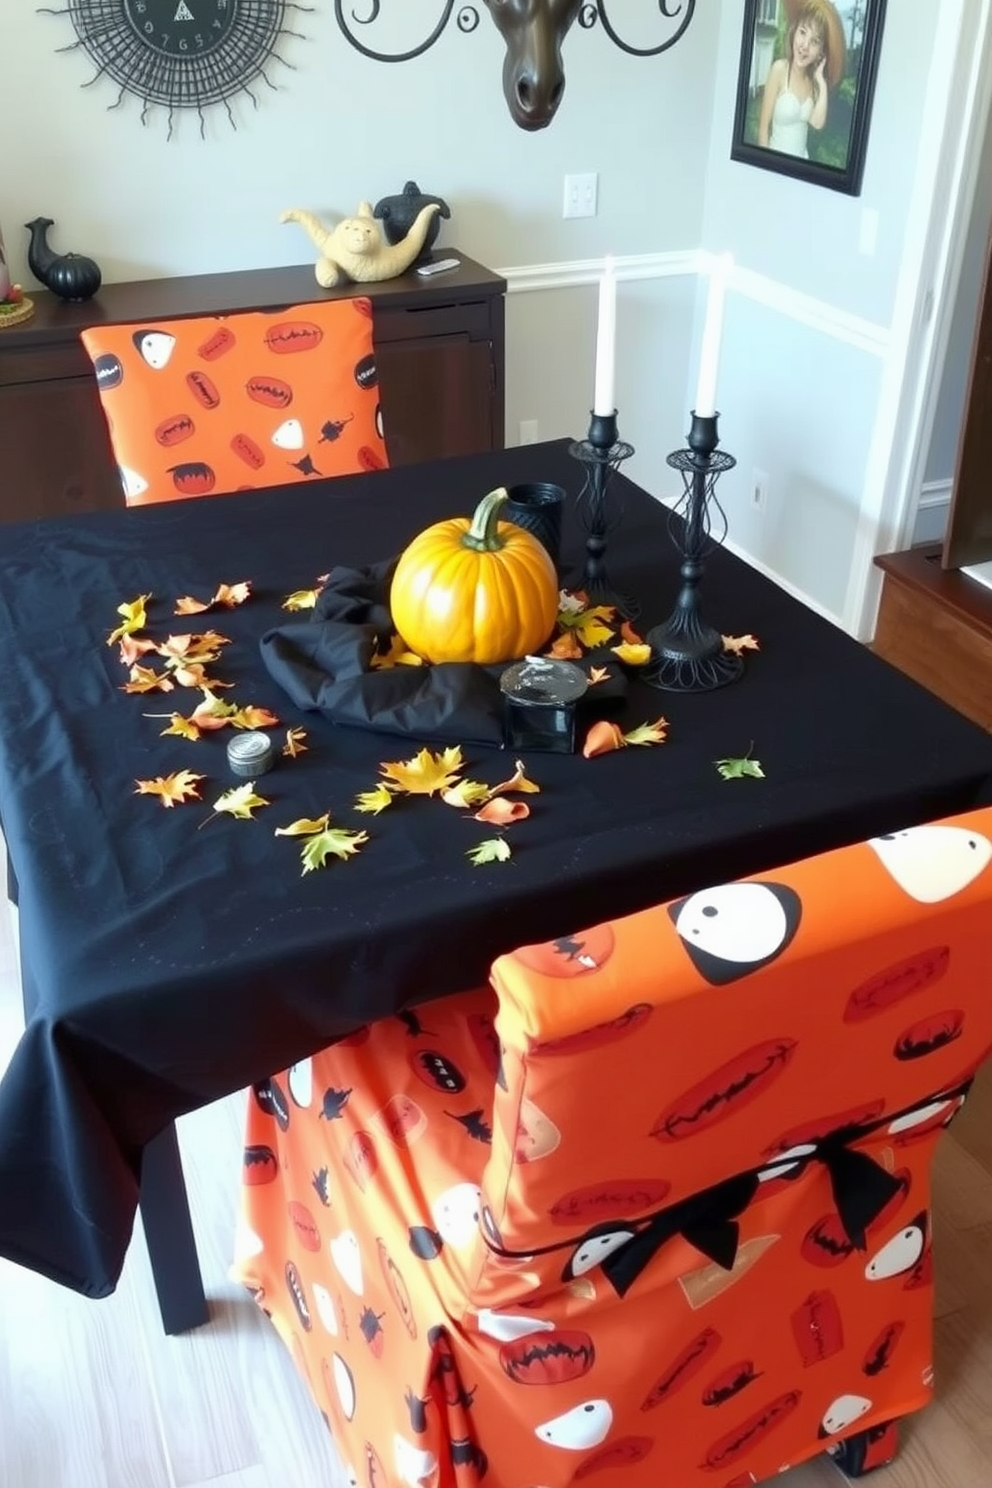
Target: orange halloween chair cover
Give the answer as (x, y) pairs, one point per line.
(658, 1214)
(225, 403)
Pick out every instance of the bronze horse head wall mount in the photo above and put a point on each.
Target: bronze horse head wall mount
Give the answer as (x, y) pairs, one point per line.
(533, 32)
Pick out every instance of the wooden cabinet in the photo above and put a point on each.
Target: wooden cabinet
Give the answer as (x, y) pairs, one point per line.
(439, 352)
(935, 625)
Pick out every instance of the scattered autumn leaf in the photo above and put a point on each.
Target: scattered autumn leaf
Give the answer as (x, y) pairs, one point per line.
(648, 733)
(630, 635)
(631, 654)
(294, 744)
(252, 717)
(301, 599)
(598, 674)
(593, 626)
(213, 712)
(493, 850)
(240, 801)
(570, 603)
(194, 674)
(398, 654)
(205, 646)
(337, 842)
(184, 728)
(740, 769)
(426, 773)
(134, 647)
(225, 594)
(172, 790)
(374, 801)
(134, 619)
(602, 738)
(466, 793)
(304, 826)
(740, 644)
(146, 679)
(500, 812)
(566, 648)
(518, 782)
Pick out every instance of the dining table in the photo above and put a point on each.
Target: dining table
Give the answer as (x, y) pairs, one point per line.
(174, 954)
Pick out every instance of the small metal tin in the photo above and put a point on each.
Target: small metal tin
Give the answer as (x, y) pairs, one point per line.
(250, 754)
(539, 698)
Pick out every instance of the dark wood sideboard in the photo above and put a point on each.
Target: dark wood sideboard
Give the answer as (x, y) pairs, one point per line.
(440, 350)
(935, 624)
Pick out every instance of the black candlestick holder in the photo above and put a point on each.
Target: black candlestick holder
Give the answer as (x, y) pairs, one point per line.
(602, 453)
(687, 652)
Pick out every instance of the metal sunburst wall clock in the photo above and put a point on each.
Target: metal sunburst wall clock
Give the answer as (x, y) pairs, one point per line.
(181, 54)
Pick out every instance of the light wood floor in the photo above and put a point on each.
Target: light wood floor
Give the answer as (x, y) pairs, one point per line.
(93, 1395)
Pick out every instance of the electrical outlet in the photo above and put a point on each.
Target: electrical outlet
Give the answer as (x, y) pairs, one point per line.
(528, 431)
(581, 195)
(759, 489)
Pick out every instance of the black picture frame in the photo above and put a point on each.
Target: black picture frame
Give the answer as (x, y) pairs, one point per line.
(836, 151)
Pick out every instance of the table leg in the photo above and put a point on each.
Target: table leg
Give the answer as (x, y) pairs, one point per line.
(169, 1235)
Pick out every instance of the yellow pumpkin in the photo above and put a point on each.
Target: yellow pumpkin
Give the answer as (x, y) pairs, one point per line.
(475, 589)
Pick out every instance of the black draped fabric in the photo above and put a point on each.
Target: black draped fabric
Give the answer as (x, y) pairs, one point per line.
(166, 966)
(325, 665)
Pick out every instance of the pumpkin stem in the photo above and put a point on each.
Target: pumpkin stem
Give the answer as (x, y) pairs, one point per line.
(482, 536)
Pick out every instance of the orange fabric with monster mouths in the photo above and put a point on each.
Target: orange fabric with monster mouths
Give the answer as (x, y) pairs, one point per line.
(653, 1208)
(225, 403)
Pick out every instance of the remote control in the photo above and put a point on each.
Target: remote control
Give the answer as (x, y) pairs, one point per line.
(441, 266)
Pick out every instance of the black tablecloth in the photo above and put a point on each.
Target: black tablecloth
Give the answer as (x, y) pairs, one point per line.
(166, 966)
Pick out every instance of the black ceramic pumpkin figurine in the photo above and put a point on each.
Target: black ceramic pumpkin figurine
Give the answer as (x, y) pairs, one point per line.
(71, 276)
(398, 214)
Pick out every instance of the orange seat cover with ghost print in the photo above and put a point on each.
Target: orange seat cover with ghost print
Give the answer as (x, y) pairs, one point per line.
(653, 1208)
(225, 403)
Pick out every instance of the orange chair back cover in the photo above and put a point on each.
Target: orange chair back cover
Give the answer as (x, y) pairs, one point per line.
(468, 1241)
(225, 403)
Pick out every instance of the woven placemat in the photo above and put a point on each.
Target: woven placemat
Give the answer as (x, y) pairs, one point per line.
(11, 315)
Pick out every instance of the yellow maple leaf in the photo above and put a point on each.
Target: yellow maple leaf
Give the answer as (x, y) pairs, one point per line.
(172, 790)
(185, 728)
(301, 599)
(337, 842)
(518, 781)
(134, 619)
(373, 801)
(631, 654)
(145, 679)
(294, 744)
(465, 793)
(648, 733)
(739, 644)
(304, 826)
(493, 850)
(252, 717)
(426, 773)
(240, 801)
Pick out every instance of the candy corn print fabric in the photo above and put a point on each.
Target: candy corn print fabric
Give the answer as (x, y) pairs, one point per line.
(227, 403)
(652, 1208)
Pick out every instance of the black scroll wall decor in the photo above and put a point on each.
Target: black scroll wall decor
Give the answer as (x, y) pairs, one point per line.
(533, 31)
(181, 54)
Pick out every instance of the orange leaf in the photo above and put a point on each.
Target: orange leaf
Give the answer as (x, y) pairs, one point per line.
(630, 635)
(172, 790)
(566, 647)
(187, 605)
(253, 718)
(232, 594)
(294, 744)
(738, 644)
(132, 647)
(144, 679)
(501, 812)
(602, 738)
(517, 782)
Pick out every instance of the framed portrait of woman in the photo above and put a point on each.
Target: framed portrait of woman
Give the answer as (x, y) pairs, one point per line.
(805, 88)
